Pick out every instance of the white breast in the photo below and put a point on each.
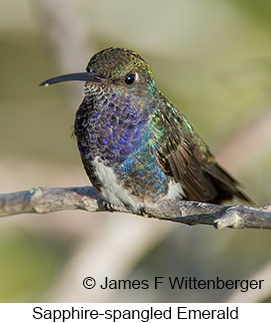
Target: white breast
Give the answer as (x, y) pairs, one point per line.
(112, 191)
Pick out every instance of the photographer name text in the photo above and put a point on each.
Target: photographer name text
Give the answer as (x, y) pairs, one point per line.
(181, 283)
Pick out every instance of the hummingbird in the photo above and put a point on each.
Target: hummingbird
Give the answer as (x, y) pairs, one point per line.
(135, 145)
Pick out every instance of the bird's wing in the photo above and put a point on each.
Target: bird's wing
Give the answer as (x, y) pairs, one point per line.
(183, 155)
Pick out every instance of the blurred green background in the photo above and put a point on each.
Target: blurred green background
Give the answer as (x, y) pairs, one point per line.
(212, 59)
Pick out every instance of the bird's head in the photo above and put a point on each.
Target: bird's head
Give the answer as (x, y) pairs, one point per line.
(120, 70)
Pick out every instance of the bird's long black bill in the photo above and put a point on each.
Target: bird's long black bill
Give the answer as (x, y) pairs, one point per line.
(86, 76)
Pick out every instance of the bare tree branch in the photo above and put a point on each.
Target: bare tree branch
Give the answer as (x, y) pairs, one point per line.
(45, 200)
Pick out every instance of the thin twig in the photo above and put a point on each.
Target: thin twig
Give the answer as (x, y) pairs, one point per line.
(46, 200)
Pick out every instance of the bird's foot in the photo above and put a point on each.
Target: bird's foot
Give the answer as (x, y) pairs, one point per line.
(108, 206)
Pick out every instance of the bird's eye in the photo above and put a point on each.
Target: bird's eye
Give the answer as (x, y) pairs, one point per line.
(130, 78)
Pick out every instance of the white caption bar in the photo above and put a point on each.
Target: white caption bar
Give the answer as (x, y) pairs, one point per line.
(134, 312)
